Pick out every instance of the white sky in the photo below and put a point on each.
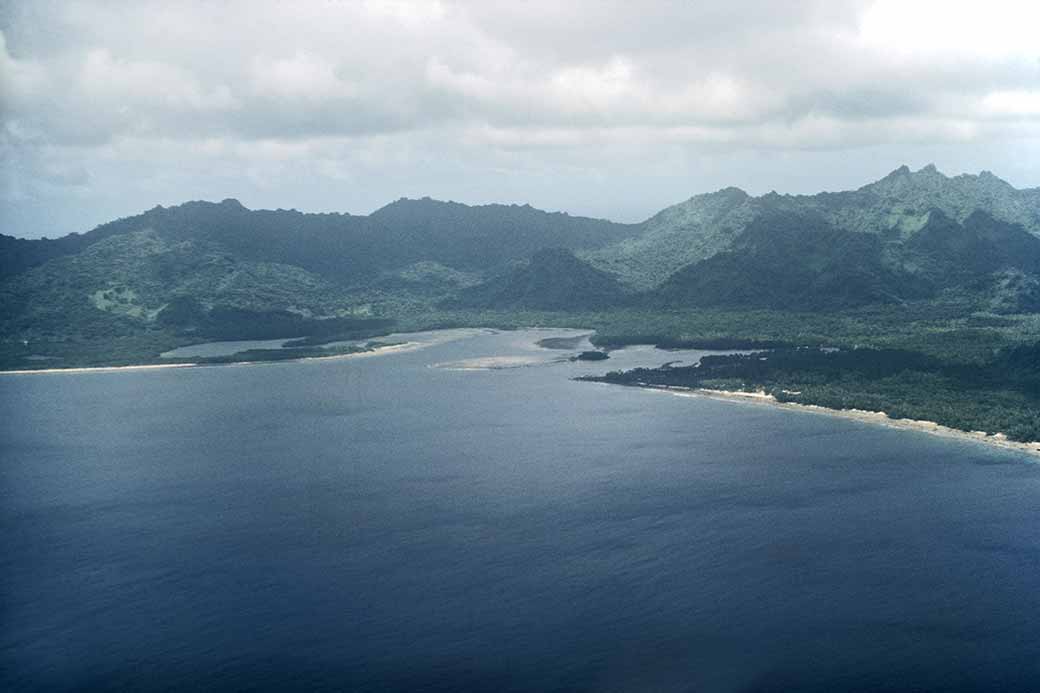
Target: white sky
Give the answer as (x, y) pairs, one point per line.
(612, 109)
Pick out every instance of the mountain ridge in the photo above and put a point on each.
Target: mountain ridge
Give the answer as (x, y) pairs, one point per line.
(339, 237)
(897, 204)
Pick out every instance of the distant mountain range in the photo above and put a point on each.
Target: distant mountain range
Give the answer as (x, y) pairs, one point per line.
(970, 241)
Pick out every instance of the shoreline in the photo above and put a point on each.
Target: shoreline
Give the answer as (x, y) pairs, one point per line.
(104, 369)
(442, 336)
(998, 440)
(378, 351)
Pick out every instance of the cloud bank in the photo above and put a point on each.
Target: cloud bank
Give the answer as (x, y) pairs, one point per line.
(600, 107)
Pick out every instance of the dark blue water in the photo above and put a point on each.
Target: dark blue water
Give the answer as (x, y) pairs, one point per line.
(377, 524)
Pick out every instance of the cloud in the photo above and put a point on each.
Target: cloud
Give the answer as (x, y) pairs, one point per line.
(302, 76)
(142, 86)
(374, 91)
(266, 70)
(1013, 103)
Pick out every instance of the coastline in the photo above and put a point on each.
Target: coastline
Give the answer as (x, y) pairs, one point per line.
(103, 369)
(413, 341)
(378, 351)
(998, 440)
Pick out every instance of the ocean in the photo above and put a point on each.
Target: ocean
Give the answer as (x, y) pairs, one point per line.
(465, 516)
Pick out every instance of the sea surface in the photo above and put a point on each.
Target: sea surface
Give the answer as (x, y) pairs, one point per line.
(467, 517)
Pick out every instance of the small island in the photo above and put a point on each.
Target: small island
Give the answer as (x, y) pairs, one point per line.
(592, 356)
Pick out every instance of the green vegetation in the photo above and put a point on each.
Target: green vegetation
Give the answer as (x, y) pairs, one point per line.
(894, 207)
(918, 264)
(340, 247)
(553, 279)
(287, 353)
(678, 236)
(1000, 396)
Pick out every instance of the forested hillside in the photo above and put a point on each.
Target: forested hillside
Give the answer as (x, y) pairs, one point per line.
(552, 280)
(895, 207)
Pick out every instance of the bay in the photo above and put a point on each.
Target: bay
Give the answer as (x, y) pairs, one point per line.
(465, 516)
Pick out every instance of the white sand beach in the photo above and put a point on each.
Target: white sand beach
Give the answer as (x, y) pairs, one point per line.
(875, 417)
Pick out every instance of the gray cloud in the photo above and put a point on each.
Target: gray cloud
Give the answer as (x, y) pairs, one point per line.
(603, 107)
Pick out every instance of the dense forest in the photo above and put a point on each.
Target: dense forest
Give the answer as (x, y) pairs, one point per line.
(999, 396)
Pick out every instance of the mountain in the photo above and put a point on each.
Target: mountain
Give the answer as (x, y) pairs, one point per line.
(341, 247)
(994, 260)
(129, 279)
(895, 207)
(478, 239)
(553, 279)
(803, 261)
(19, 254)
(950, 252)
(793, 262)
(677, 236)
(900, 200)
(226, 257)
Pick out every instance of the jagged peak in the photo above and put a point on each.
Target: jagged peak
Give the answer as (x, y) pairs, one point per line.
(903, 177)
(987, 178)
(904, 172)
